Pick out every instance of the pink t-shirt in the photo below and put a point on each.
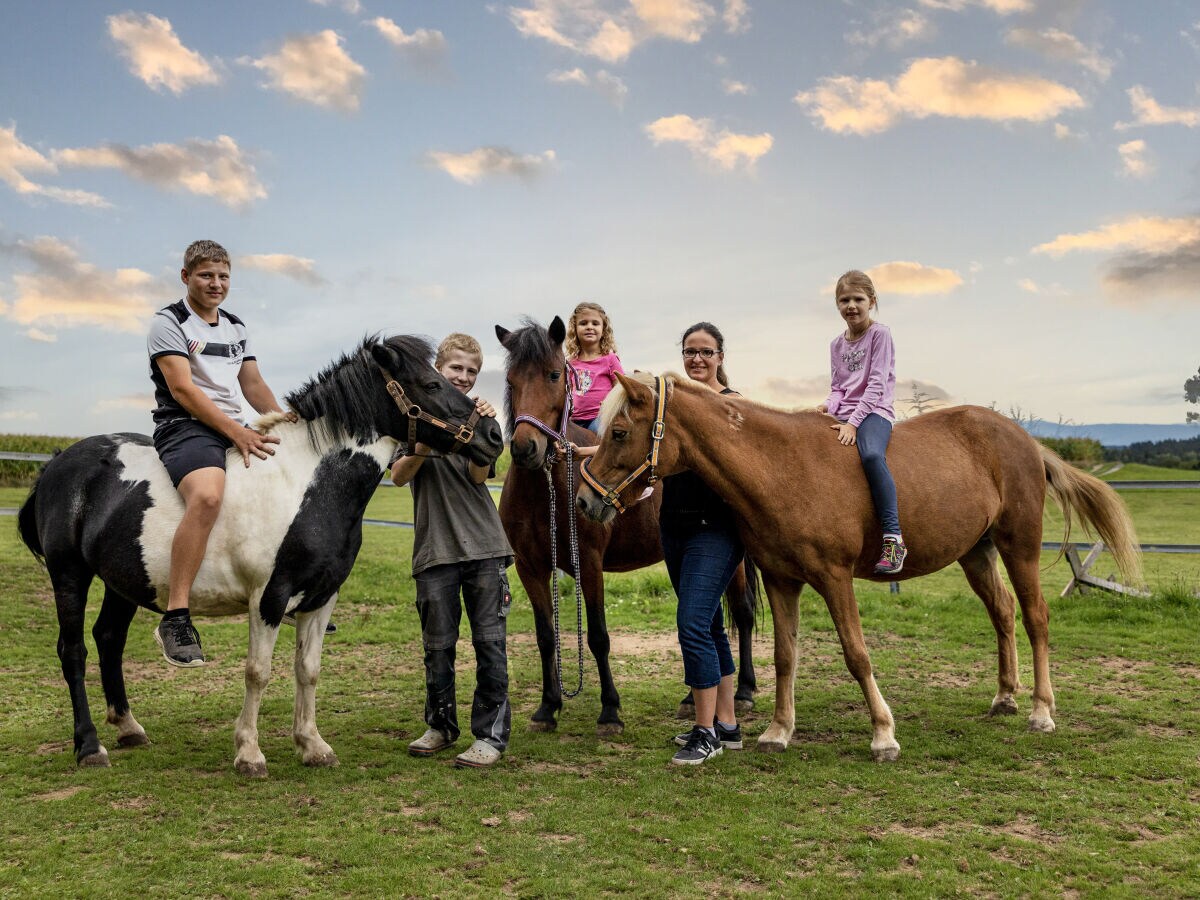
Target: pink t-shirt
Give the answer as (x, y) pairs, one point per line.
(862, 376)
(593, 380)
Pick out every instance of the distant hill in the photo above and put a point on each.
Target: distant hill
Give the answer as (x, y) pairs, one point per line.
(1113, 435)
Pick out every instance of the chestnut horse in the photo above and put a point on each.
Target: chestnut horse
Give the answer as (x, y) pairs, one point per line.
(971, 484)
(537, 377)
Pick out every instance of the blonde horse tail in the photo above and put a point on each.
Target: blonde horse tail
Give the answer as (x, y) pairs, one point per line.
(1099, 507)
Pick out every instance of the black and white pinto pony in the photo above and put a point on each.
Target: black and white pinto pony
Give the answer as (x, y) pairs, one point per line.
(288, 533)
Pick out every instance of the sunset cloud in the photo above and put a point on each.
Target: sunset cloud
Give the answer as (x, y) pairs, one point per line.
(155, 54)
(314, 68)
(1059, 45)
(725, 148)
(1134, 161)
(1144, 234)
(1001, 7)
(485, 162)
(218, 169)
(913, 278)
(735, 16)
(947, 87)
(298, 268)
(892, 28)
(424, 47)
(603, 82)
(62, 291)
(1148, 111)
(18, 160)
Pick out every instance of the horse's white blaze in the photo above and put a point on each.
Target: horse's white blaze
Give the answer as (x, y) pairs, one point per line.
(259, 506)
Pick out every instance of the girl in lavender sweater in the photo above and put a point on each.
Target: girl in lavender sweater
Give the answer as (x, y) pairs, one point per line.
(862, 361)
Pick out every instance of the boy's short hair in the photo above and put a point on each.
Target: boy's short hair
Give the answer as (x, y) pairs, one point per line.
(204, 251)
(457, 341)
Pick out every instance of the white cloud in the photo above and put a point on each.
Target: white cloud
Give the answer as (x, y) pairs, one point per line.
(608, 85)
(314, 68)
(425, 47)
(948, 87)
(735, 88)
(1064, 132)
(354, 7)
(1148, 111)
(735, 15)
(156, 55)
(725, 148)
(1001, 7)
(217, 169)
(62, 291)
(18, 158)
(44, 337)
(1145, 234)
(484, 162)
(1032, 287)
(299, 268)
(1053, 43)
(677, 20)
(893, 28)
(912, 278)
(1134, 162)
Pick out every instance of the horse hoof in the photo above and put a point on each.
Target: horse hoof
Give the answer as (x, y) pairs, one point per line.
(1042, 726)
(97, 760)
(686, 711)
(251, 769)
(885, 754)
(771, 746)
(324, 761)
(742, 707)
(543, 726)
(135, 739)
(609, 729)
(1005, 707)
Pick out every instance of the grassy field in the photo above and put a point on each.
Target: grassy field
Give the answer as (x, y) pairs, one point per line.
(1107, 806)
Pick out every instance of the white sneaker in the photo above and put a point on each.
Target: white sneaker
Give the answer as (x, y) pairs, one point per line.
(477, 756)
(430, 743)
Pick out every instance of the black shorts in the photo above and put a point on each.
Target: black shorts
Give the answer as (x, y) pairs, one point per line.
(186, 445)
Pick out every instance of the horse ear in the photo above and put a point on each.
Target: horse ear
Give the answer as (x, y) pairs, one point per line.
(558, 331)
(637, 392)
(385, 356)
(502, 334)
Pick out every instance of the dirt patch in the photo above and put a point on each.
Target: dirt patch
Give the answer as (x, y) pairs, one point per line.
(133, 803)
(1167, 730)
(60, 794)
(1028, 830)
(932, 833)
(1121, 664)
(583, 770)
(54, 747)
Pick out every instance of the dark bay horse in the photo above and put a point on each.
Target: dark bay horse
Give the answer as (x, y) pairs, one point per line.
(288, 533)
(537, 386)
(972, 487)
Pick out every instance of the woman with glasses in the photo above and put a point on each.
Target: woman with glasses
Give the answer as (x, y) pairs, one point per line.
(702, 550)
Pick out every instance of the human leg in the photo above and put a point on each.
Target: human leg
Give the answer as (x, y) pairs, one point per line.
(440, 613)
(487, 598)
(873, 437)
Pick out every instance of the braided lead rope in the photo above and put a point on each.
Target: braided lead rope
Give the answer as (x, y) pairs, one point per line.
(554, 580)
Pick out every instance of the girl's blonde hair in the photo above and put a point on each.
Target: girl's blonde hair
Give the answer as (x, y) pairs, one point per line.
(856, 279)
(607, 343)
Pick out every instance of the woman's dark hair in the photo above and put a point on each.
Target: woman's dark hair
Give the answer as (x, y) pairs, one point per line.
(715, 333)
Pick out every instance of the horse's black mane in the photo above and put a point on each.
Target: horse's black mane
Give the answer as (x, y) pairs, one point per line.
(347, 392)
(528, 345)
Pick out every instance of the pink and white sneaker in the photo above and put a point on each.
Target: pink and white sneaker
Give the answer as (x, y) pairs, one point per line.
(892, 559)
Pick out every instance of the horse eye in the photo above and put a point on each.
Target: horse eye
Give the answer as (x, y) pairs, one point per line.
(554, 376)
(433, 386)
(618, 435)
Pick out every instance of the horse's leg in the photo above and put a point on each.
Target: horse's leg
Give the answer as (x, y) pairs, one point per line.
(609, 723)
(838, 591)
(249, 760)
(785, 613)
(1022, 564)
(740, 598)
(979, 565)
(537, 586)
(110, 631)
(310, 638)
(687, 708)
(70, 598)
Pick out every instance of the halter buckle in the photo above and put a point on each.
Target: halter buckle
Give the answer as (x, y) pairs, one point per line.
(656, 433)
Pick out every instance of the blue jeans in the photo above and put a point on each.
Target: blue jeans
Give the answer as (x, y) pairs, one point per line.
(873, 436)
(484, 586)
(700, 564)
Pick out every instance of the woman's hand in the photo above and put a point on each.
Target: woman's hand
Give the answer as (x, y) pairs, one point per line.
(847, 434)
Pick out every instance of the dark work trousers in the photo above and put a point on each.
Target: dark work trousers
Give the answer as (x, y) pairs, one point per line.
(484, 587)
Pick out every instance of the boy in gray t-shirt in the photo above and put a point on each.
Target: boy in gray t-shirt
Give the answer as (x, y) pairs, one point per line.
(201, 366)
(459, 547)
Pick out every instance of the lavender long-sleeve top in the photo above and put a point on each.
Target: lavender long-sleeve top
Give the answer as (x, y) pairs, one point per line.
(863, 376)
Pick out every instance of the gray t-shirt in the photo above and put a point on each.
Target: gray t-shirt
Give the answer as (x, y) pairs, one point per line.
(455, 518)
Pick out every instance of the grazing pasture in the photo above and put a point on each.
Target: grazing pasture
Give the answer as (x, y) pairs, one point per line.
(1110, 804)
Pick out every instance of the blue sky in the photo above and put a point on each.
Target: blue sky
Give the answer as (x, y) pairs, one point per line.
(1022, 177)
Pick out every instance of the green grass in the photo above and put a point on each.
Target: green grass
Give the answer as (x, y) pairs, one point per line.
(1142, 472)
(1107, 806)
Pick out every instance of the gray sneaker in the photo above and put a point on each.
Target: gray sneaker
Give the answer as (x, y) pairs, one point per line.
(730, 738)
(700, 747)
(479, 755)
(431, 742)
(179, 642)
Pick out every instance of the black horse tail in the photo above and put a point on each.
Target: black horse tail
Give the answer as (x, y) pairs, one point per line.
(743, 598)
(27, 522)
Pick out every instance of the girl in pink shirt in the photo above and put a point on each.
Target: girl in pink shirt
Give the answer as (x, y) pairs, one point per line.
(592, 354)
(863, 376)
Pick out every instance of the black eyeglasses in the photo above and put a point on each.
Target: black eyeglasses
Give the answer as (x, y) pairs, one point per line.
(693, 352)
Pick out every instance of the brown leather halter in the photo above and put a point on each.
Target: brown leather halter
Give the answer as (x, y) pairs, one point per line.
(612, 496)
(462, 433)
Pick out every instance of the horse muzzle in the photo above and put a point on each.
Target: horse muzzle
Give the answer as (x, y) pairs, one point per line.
(593, 507)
